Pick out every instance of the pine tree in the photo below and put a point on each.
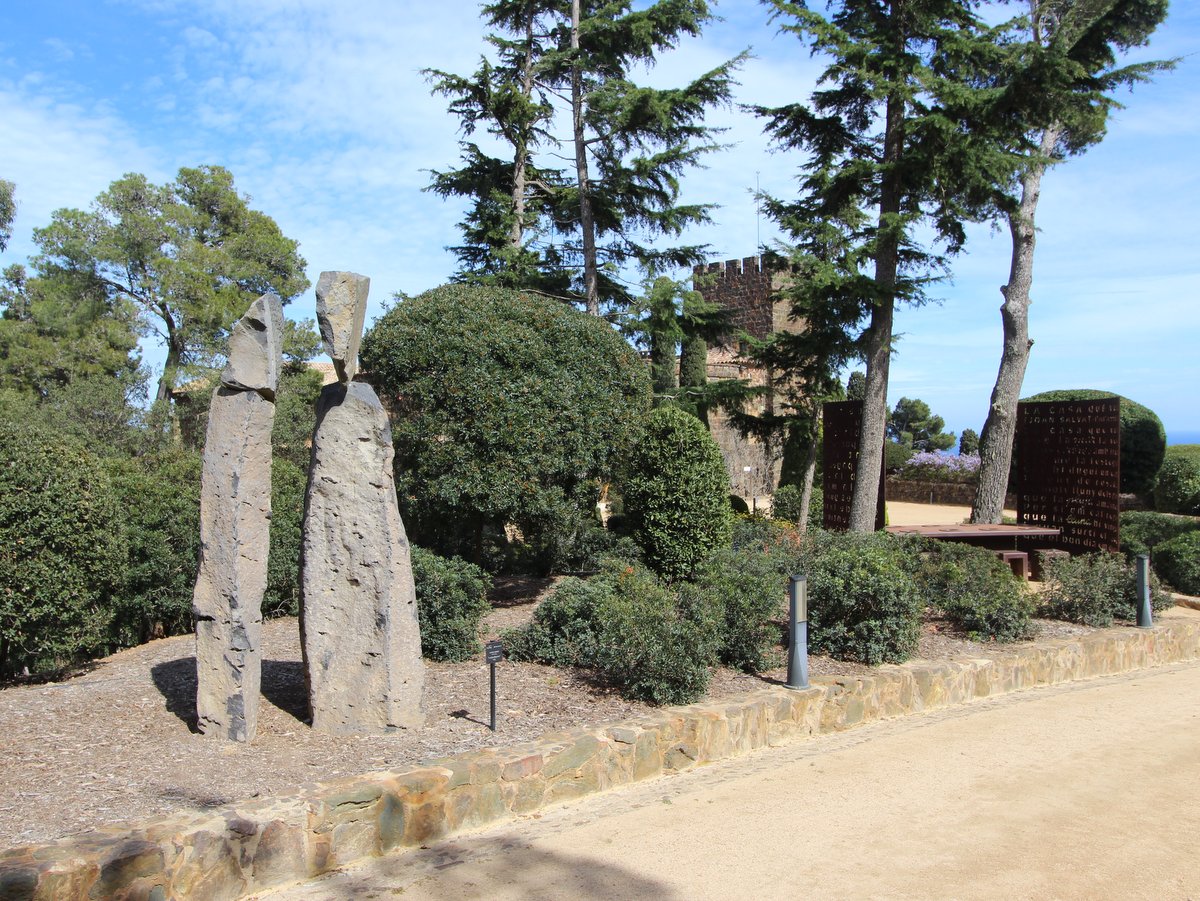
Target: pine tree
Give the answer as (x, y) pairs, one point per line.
(885, 161)
(1064, 56)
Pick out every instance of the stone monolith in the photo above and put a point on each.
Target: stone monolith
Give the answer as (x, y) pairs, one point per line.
(358, 607)
(341, 310)
(359, 630)
(235, 515)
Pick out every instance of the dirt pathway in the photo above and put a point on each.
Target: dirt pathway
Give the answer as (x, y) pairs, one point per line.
(1088, 790)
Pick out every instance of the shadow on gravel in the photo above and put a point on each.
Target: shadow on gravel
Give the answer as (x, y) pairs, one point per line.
(283, 685)
(176, 682)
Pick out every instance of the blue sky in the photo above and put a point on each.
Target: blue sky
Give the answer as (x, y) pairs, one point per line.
(320, 111)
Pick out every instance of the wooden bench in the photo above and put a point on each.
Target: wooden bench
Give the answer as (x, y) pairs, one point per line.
(1017, 560)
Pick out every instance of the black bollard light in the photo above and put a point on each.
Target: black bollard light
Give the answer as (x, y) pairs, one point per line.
(797, 632)
(1144, 618)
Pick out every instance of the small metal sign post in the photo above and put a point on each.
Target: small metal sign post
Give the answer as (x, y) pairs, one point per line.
(1144, 618)
(493, 653)
(797, 676)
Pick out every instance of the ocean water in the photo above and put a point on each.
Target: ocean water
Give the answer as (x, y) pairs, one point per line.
(1178, 437)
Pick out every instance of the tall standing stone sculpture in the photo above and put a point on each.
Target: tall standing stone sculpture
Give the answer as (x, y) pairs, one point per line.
(235, 516)
(358, 613)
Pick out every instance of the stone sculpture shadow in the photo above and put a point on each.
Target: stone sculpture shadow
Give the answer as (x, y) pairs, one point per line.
(176, 682)
(283, 685)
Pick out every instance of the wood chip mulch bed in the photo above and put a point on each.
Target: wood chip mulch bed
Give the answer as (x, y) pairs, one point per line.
(114, 745)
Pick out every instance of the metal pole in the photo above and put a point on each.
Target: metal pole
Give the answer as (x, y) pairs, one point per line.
(1144, 617)
(492, 667)
(797, 632)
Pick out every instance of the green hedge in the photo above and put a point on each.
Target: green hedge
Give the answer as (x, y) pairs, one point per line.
(1094, 589)
(451, 603)
(630, 630)
(1143, 438)
(675, 493)
(1178, 562)
(1142, 531)
(62, 553)
(975, 590)
(786, 505)
(1178, 487)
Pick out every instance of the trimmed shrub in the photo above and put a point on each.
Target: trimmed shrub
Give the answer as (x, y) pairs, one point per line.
(862, 603)
(1178, 487)
(895, 455)
(288, 484)
(159, 499)
(451, 603)
(630, 630)
(1143, 438)
(1178, 562)
(1094, 589)
(62, 555)
(786, 505)
(975, 590)
(675, 495)
(748, 587)
(1142, 531)
(506, 408)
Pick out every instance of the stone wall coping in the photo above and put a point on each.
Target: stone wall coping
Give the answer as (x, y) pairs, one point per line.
(267, 843)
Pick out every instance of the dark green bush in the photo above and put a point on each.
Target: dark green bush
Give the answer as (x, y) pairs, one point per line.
(1178, 562)
(675, 493)
(1178, 487)
(62, 556)
(1094, 589)
(748, 588)
(1143, 530)
(974, 589)
(1143, 438)
(451, 602)
(862, 602)
(506, 408)
(630, 630)
(895, 455)
(786, 505)
(159, 498)
(288, 483)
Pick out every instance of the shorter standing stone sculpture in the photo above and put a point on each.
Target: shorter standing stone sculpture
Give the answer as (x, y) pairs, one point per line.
(358, 613)
(235, 516)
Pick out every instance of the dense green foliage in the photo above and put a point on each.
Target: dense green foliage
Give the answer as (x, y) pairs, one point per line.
(747, 590)
(159, 499)
(506, 407)
(1142, 530)
(968, 443)
(1143, 438)
(451, 603)
(862, 603)
(1178, 562)
(288, 484)
(188, 256)
(786, 505)
(1094, 589)
(912, 423)
(1177, 489)
(675, 493)
(8, 211)
(974, 589)
(61, 551)
(630, 630)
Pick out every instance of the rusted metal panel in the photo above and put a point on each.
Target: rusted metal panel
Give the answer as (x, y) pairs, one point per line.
(842, 420)
(1068, 457)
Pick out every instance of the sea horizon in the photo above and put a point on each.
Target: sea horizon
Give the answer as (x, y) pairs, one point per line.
(1182, 436)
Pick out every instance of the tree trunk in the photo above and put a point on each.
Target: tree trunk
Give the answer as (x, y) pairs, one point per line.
(166, 384)
(996, 442)
(587, 224)
(516, 234)
(810, 471)
(877, 341)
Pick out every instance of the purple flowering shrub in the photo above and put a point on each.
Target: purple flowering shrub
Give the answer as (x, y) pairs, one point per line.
(935, 466)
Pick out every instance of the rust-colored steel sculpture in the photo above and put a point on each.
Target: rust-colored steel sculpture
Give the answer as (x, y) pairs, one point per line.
(842, 420)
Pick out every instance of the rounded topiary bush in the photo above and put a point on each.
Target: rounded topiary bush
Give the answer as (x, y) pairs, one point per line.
(862, 602)
(1143, 438)
(451, 602)
(1178, 487)
(1178, 562)
(1143, 530)
(675, 495)
(61, 551)
(506, 408)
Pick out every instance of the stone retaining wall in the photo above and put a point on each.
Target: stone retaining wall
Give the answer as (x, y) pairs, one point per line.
(259, 845)
(910, 492)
